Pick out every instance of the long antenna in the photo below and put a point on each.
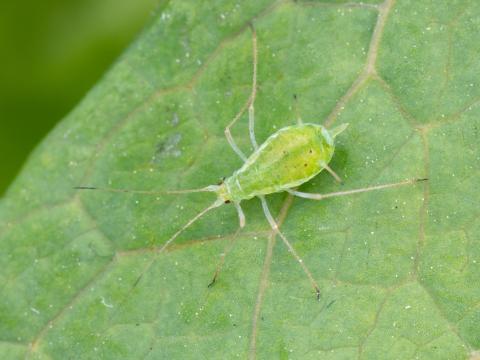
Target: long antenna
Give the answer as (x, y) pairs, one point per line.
(215, 204)
(210, 188)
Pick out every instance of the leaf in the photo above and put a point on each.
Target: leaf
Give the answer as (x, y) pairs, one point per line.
(399, 269)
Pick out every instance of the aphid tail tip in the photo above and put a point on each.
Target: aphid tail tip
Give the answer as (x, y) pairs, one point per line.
(339, 129)
(422, 179)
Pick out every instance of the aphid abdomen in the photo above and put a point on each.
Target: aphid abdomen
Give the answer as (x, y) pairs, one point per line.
(288, 158)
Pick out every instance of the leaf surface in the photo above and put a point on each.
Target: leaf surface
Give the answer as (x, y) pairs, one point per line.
(399, 269)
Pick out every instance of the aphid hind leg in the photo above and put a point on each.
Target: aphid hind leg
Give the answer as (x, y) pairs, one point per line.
(241, 215)
(275, 228)
(229, 246)
(314, 196)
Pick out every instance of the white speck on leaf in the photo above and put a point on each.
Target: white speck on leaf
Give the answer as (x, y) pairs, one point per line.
(35, 310)
(105, 303)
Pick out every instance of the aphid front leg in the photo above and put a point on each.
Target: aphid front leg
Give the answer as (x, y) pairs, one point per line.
(275, 228)
(241, 215)
(229, 136)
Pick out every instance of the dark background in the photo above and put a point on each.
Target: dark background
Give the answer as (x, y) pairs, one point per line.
(51, 53)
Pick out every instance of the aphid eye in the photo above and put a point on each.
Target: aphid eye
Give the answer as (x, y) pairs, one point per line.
(305, 165)
(310, 151)
(227, 201)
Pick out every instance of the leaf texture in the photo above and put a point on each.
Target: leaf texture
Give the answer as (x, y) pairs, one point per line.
(398, 269)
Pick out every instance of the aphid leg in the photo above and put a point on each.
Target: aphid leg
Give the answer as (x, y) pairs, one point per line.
(241, 219)
(248, 105)
(331, 172)
(227, 249)
(275, 228)
(229, 136)
(241, 215)
(313, 196)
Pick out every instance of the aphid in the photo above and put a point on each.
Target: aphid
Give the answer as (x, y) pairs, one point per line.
(288, 158)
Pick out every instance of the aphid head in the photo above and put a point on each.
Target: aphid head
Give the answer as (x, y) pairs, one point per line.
(223, 193)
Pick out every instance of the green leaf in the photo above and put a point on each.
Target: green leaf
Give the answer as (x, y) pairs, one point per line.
(399, 269)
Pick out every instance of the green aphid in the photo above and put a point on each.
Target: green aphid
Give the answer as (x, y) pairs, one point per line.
(288, 158)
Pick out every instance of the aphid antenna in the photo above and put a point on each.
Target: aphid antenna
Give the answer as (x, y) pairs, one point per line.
(190, 222)
(210, 188)
(295, 106)
(214, 205)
